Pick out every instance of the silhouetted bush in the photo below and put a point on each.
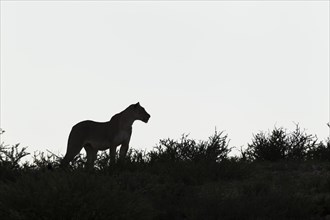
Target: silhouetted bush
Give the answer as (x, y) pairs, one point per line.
(300, 145)
(41, 160)
(215, 149)
(271, 147)
(11, 157)
(280, 145)
(321, 151)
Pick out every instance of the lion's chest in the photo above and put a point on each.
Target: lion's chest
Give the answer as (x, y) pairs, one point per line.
(120, 137)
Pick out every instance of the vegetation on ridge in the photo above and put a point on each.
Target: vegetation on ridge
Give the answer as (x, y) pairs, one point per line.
(280, 175)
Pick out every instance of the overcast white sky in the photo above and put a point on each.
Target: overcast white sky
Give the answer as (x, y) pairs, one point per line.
(242, 67)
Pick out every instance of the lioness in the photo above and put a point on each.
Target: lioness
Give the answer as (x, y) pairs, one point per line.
(94, 136)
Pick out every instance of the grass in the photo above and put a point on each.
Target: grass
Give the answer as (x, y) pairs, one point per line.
(182, 179)
(226, 190)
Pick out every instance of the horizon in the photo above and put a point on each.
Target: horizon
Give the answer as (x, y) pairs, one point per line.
(238, 67)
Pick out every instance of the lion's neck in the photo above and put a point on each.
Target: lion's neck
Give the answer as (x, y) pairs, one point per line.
(126, 120)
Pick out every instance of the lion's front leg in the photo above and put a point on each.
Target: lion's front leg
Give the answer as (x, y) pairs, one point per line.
(113, 155)
(123, 151)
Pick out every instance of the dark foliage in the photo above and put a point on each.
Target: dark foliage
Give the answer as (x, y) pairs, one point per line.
(280, 145)
(272, 147)
(183, 179)
(321, 152)
(215, 149)
(10, 157)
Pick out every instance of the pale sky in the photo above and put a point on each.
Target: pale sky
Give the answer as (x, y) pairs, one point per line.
(241, 67)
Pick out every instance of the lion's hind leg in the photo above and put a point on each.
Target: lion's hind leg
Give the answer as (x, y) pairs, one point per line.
(91, 155)
(72, 150)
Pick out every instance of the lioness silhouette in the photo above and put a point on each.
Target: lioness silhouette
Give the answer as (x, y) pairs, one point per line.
(95, 136)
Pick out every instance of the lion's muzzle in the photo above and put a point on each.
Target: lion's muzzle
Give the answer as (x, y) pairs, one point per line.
(146, 119)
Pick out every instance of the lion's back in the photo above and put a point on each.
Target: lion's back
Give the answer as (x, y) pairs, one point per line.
(88, 130)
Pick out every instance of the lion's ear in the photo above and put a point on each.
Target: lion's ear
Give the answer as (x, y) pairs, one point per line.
(137, 105)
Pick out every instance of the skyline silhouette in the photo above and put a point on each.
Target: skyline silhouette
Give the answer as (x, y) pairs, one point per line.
(239, 67)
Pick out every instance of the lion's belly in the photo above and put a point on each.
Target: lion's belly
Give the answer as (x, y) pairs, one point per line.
(99, 144)
(116, 140)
